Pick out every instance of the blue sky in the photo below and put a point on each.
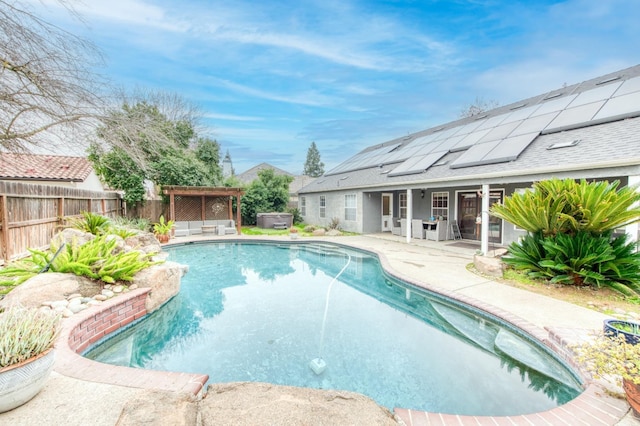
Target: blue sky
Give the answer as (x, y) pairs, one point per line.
(272, 76)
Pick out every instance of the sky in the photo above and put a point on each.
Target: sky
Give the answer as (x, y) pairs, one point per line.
(272, 76)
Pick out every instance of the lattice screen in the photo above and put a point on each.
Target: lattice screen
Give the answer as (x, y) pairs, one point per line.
(190, 208)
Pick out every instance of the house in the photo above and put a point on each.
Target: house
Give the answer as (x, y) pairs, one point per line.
(455, 171)
(73, 172)
(299, 181)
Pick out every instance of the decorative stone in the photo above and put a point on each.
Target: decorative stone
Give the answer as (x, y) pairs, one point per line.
(73, 296)
(67, 313)
(47, 303)
(117, 289)
(133, 286)
(93, 302)
(319, 232)
(100, 297)
(86, 299)
(107, 293)
(75, 301)
(77, 308)
(59, 304)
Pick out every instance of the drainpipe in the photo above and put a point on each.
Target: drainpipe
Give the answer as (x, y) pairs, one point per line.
(484, 227)
(409, 213)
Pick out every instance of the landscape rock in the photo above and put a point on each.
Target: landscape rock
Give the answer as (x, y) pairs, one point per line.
(491, 266)
(319, 232)
(264, 403)
(163, 280)
(334, 233)
(73, 236)
(146, 242)
(50, 286)
(159, 408)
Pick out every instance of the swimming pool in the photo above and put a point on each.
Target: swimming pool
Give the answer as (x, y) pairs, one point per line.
(255, 312)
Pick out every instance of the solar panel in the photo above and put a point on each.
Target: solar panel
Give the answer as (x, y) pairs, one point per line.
(572, 116)
(417, 164)
(469, 140)
(494, 152)
(521, 114)
(629, 86)
(534, 124)
(593, 95)
(621, 105)
(554, 106)
(492, 122)
(500, 132)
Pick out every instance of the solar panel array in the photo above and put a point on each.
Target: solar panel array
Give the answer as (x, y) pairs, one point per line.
(502, 138)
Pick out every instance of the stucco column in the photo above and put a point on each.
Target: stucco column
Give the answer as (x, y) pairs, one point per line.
(632, 230)
(409, 213)
(484, 227)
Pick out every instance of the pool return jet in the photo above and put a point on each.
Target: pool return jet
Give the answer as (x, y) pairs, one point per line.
(318, 365)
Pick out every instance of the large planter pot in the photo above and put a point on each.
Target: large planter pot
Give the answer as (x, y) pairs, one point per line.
(21, 382)
(612, 329)
(633, 396)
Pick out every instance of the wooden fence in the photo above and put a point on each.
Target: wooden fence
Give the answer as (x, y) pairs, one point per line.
(30, 215)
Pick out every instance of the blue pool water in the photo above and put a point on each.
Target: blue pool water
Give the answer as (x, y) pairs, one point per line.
(255, 312)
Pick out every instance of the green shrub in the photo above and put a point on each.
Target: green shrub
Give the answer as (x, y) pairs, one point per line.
(139, 223)
(310, 228)
(91, 222)
(334, 224)
(582, 259)
(96, 259)
(297, 217)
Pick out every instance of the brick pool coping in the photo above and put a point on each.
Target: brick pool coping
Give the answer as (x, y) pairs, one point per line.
(592, 407)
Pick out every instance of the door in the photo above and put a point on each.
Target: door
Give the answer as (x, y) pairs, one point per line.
(387, 212)
(469, 209)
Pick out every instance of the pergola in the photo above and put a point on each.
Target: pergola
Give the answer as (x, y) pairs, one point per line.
(203, 203)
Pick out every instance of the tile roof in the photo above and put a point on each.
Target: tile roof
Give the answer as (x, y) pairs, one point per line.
(44, 167)
(252, 174)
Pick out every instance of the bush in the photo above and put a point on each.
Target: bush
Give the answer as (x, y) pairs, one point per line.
(582, 259)
(91, 222)
(310, 228)
(334, 224)
(297, 217)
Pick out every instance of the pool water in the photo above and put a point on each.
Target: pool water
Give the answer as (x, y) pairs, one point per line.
(255, 312)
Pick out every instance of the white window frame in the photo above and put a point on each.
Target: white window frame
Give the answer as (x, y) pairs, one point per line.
(303, 206)
(402, 205)
(350, 207)
(442, 209)
(322, 202)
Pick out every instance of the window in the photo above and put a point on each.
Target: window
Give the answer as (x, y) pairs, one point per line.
(350, 207)
(402, 202)
(440, 205)
(323, 206)
(303, 206)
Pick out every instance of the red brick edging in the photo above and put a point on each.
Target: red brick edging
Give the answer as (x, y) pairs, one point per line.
(90, 325)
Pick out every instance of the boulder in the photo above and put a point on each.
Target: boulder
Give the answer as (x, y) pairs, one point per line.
(163, 280)
(334, 233)
(319, 232)
(159, 408)
(264, 403)
(71, 235)
(146, 242)
(491, 266)
(49, 286)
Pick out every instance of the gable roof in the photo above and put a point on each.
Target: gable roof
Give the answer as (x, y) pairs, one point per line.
(591, 125)
(44, 167)
(252, 174)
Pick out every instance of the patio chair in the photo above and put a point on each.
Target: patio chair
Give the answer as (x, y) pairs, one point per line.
(417, 230)
(396, 229)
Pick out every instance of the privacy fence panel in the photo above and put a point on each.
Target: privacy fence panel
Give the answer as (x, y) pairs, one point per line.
(32, 214)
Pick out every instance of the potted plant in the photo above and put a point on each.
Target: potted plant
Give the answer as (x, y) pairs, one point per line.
(293, 232)
(162, 229)
(26, 353)
(629, 329)
(614, 359)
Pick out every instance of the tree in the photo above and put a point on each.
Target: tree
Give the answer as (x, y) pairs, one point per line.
(268, 193)
(478, 107)
(46, 79)
(141, 142)
(208, 151)
(313, 166)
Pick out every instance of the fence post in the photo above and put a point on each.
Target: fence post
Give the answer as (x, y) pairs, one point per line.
(5, 229)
